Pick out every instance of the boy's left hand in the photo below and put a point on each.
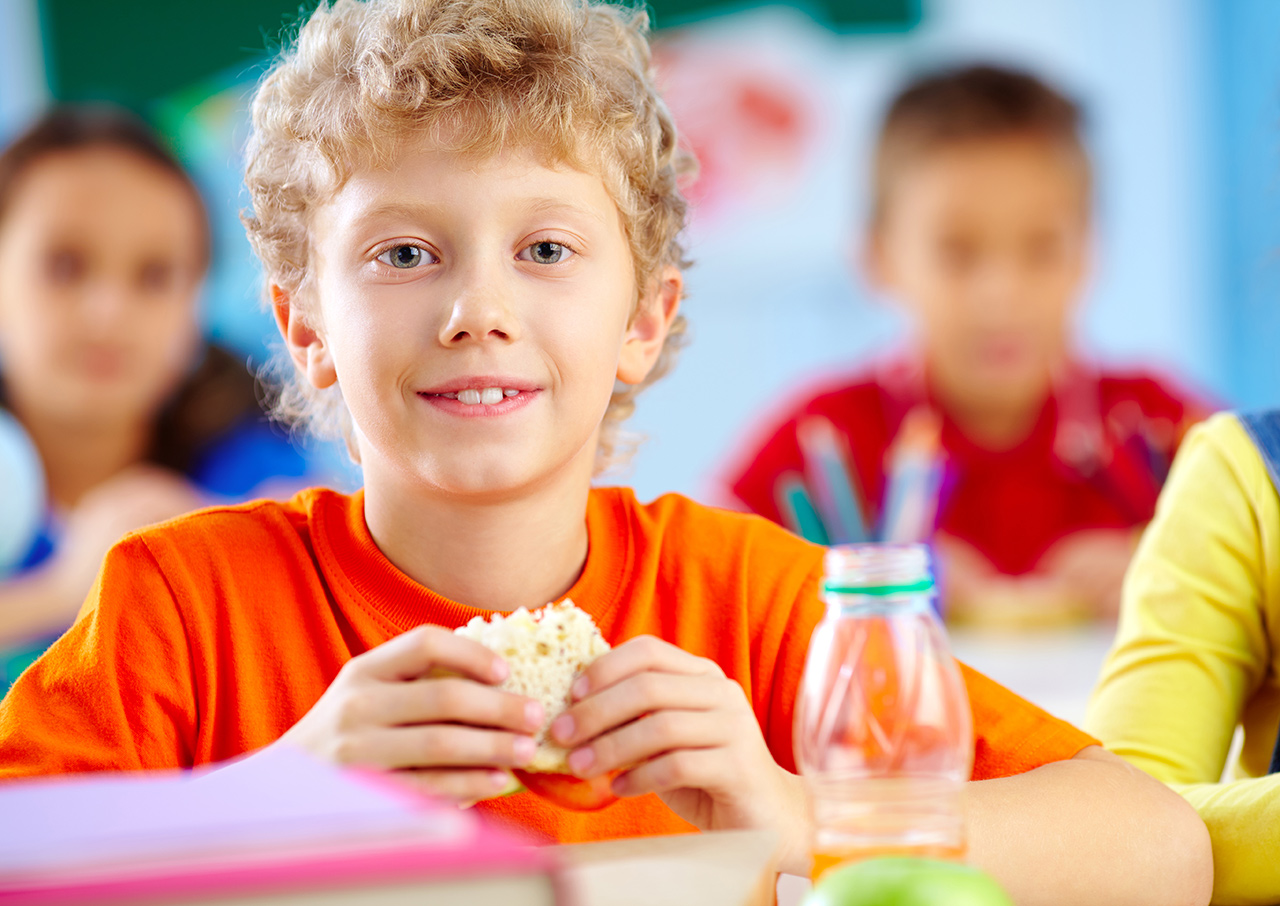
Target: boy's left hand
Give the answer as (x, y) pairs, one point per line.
(678, 727)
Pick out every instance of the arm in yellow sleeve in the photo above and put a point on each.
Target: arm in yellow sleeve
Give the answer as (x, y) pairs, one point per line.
(1243, 817)
(1193, 649)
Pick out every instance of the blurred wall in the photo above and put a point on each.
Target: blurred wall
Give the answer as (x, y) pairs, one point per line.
(1245, 176)
(22, 84)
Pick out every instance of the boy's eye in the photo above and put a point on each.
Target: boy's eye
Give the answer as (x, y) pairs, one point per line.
(65, 266)
(1043, 250)
(958, 255)
(156, 276)
(546, 252)
(402, 256)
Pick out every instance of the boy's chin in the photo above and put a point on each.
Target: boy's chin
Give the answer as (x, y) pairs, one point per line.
(484, 480)
(998, 383)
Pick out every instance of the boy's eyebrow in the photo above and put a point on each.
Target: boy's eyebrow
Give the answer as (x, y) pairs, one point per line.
(559, 206)
(400, 210)
(413, 211)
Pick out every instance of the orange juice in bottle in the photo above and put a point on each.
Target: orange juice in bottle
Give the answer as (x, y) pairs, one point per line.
(884, 736)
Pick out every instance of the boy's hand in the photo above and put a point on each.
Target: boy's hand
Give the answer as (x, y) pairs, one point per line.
(1092, 565)
(1071, 584)
(680, 728)
(424, 706)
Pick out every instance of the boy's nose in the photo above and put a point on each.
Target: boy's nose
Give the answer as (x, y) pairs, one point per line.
(106, 304)
(479, 313)
(1002, 288)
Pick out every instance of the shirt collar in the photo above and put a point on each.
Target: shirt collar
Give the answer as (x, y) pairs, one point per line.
(356, 569)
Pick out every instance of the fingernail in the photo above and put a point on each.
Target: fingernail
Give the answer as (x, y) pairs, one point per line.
(562, 728)
(619, 785)
(500, 779)
(580, 760)
(500, 671)
(524, 749)
(533, 714)
(579, 688)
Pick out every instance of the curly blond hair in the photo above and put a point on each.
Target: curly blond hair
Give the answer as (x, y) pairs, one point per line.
(569, 78)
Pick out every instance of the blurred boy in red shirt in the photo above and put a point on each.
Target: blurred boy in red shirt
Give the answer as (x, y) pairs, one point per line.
(1030, 469)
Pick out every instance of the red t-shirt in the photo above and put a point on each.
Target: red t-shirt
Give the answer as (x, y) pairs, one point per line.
(209, 636)
(1011, 505)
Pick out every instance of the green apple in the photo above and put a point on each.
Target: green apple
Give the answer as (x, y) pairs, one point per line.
(901, 881)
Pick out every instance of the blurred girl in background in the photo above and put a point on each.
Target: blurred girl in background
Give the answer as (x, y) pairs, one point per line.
(113, 411)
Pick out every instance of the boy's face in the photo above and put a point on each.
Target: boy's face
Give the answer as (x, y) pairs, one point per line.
(475, 315)
(986, 244)
(100, 264)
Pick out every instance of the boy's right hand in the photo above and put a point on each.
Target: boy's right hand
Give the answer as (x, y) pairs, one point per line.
(425, 706)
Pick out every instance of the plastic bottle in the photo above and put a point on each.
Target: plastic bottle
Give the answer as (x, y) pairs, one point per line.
(884, 734)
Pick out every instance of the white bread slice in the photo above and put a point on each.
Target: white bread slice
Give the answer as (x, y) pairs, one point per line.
(546, 649)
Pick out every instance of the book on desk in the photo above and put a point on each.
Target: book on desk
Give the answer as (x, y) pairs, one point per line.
(278, 828)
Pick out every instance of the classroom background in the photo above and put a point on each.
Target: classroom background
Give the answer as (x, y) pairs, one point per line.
(780, 102)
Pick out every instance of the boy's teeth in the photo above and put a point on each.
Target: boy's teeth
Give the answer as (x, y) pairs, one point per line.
(489, 396)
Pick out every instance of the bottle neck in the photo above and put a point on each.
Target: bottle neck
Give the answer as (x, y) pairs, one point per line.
(855, 603)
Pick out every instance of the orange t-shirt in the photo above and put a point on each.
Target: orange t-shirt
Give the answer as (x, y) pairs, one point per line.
(211, 635)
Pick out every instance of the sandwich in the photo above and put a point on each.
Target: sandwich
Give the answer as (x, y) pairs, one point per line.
(546, 649)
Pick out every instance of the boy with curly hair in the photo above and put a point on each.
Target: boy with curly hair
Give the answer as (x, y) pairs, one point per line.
(468, 212)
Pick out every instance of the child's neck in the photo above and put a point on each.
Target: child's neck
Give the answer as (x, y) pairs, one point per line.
(995, 429)
(522, 551)
(995, 425)
(79, 457)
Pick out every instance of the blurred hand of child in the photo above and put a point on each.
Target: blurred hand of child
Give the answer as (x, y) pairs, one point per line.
(677, 726)
(1080, 577)
(425, 706)
(1092, 565)
(138, 496)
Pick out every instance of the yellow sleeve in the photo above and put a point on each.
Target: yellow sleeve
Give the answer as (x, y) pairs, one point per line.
(1192, 647)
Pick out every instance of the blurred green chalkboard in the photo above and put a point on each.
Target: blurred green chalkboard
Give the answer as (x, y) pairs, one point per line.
(842, 15)
(135, 51)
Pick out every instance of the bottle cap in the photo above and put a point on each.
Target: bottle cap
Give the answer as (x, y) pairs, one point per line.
(877, 569)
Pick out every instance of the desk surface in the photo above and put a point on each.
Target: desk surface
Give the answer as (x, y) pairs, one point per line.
(724, 868)
(1055, 668)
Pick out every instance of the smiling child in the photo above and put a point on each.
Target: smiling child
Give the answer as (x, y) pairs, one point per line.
(468, 213)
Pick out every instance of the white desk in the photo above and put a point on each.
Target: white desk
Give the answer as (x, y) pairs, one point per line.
(1053, 668)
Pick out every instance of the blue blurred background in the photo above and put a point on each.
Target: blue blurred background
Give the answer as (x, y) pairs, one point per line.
(1183, 105)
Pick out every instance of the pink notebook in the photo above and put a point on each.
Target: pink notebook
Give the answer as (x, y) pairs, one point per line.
(277, 827)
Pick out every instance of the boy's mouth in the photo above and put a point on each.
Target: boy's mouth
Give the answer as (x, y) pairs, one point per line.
(480, 396)
(489, 396)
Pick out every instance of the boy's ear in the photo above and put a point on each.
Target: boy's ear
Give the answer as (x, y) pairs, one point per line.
(306, 345)
(650, 325)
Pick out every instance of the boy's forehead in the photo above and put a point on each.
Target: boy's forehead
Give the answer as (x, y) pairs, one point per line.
(986, 172)
(460, 150)
(423, 175)
(996, 152)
